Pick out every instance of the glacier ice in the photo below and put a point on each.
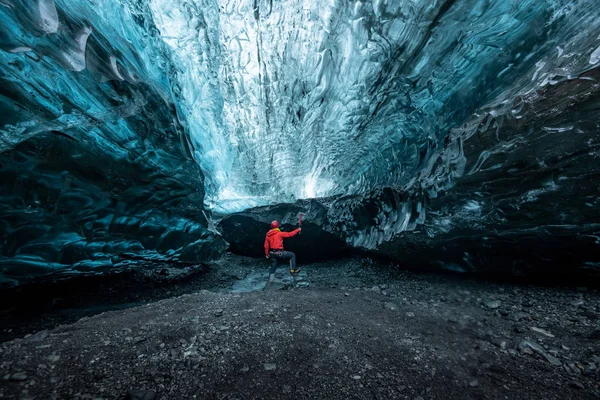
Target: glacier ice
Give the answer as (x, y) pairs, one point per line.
(124, 123)
(96, 163)
(310, 99)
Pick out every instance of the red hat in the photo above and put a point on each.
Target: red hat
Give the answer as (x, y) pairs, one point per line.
(274, 224)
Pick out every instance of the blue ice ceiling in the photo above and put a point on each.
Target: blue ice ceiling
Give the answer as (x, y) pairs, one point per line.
(124, 123)
(296, 99)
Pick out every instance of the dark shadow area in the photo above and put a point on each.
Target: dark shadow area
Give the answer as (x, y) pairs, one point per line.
(47, 303)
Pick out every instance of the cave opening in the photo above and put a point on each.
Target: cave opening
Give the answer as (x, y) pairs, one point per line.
(441, 158)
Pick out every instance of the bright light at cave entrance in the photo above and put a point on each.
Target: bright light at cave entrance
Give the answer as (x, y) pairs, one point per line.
(309, 187)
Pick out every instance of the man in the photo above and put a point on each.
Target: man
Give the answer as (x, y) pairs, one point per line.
(274, 249)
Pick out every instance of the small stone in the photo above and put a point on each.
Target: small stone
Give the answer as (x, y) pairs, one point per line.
(542, 331)
(577, 302)
(18, 377)
(519, 329)
(269, 367)
(552, 360)
(53, 357)
(140, 395)
(591, 367)
(590, 314)
(410, 314)
(519, 316)
(356, 377)
(346, 294)
(218, 313)
(38, 337)
(245, 368)
(390, 306)
(286, 389)
(493, 304)
(500, 342)
(527, 344)
(576, 385)
(474, 383)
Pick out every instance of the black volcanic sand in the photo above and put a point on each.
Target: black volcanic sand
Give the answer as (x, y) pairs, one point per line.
(358, 331)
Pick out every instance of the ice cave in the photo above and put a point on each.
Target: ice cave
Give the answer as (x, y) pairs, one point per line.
(439, 155)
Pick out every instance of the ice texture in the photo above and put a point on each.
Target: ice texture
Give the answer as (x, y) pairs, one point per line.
(96, 164)
(124, 123)
(303, 99)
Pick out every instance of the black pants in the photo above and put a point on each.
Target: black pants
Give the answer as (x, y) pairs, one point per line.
(281, 255)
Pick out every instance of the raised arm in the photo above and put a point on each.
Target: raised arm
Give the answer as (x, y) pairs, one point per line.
(290, 234)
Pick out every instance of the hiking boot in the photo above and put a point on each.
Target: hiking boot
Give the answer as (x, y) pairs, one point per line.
(294, 271)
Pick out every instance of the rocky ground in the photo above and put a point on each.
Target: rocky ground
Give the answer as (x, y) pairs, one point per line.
(350, 329)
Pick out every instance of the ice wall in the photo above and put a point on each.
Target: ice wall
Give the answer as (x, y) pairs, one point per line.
(96, 163)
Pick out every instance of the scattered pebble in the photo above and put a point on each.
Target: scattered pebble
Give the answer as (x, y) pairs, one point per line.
(493, 304)
(140, 395)
(269, 367)
(542, 331)
(18, 376)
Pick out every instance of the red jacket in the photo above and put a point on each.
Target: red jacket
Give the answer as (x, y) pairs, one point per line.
(274, 239)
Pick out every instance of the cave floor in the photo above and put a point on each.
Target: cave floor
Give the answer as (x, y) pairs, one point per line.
(356, 332)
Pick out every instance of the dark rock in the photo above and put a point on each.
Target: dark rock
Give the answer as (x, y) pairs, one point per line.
(518, 316)
(519, 329)
(140, 395)
(503, 343)
(527, 344)
(38, 337)
(269, 367)
(493, 304)
(19, 376)
(576, 385)
(589, 314)
(552, 360)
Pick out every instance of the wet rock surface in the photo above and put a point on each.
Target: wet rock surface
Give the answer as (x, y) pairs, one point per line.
(358, 331)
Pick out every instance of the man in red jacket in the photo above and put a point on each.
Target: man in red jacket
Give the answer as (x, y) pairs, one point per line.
(274, 249)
